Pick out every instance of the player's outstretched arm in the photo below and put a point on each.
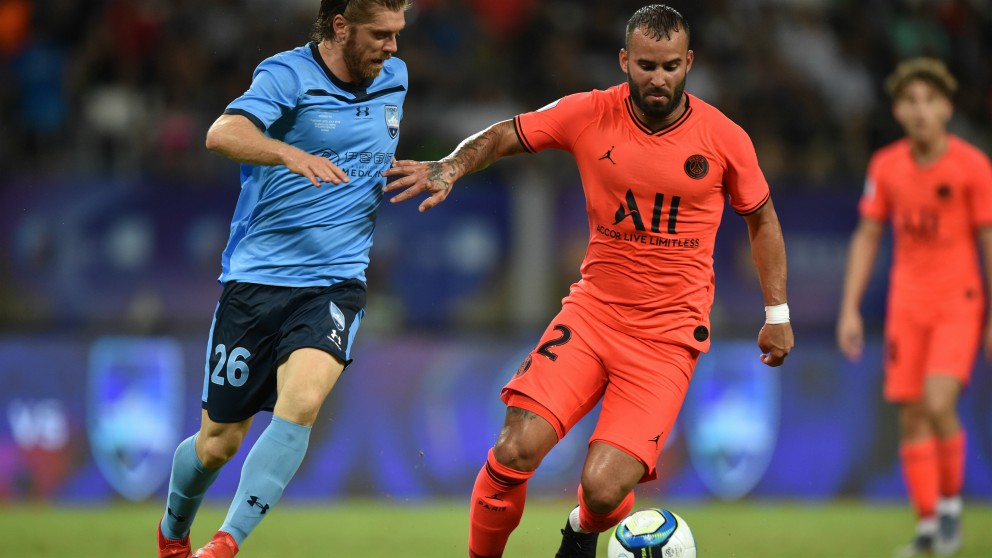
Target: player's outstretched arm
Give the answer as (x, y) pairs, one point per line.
(237, 138)
(436, 178)
(860, 260)
(768, 252)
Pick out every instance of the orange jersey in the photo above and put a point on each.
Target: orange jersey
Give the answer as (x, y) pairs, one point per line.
(935, 211)
(655, 201)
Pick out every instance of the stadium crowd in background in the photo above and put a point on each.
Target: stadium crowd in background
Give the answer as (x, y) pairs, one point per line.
(129, 87)
(113, 98)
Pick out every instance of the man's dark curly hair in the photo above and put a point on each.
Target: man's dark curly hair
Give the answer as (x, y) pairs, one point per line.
(657, 21)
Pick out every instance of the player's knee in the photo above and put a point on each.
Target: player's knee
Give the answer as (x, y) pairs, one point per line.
(516, 453)
(940, 405)
(602, 494)
(218, 450)
(301, 408)
(914, 422)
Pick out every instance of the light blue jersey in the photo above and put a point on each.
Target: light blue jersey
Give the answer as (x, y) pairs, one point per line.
(285, 231)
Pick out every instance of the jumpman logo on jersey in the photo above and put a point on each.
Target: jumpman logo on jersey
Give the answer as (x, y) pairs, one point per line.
(655, 439)
(608, 155)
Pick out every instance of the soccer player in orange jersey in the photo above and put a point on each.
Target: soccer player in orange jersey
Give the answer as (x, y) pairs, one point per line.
(657, 166)
(937, 191)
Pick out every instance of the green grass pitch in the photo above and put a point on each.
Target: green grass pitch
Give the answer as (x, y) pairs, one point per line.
(373, 529)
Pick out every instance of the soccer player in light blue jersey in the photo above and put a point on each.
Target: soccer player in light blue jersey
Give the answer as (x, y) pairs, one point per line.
(313, 133)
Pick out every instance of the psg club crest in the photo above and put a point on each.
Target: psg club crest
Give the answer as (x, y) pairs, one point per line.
(730, 419)
(134, 411)
(696, 166)
(393, 120)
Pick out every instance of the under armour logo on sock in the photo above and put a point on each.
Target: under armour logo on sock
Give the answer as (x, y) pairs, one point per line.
(253, 501)
(179, 518)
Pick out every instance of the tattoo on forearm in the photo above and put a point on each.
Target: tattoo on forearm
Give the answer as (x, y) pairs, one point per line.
(476, 152)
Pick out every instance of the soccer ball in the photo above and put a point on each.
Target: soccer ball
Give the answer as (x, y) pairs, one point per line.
(652, 533)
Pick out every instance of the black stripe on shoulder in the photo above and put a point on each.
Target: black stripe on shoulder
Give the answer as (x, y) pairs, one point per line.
(377, 94)
(520, 135)
(254, 119)
(761, 204)
(360, 97)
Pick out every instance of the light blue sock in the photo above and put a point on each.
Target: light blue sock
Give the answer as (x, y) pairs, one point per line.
(187, 485)
(270, 464)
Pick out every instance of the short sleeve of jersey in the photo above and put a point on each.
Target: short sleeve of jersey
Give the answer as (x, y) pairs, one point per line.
(873, 204)
(981, 194)
(745, 183)
(274, 91)
(556, 125)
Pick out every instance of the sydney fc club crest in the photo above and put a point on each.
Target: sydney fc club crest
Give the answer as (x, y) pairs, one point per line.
(337, 315)
(696, 166)
(392, 120)
(731, 418)
(134, 411)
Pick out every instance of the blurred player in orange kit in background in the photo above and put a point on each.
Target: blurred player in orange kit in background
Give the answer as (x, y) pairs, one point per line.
(937, 190)
(657, 166)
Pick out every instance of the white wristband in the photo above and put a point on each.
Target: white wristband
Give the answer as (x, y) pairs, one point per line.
(778, 314)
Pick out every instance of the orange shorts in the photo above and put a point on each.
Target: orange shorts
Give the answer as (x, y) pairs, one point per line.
(579, 361)
(921, 342)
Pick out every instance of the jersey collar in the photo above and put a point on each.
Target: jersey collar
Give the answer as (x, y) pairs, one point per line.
(670, 128)
(357, 89)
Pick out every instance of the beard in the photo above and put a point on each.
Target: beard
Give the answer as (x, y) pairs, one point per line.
(359, 66)
(653, 110)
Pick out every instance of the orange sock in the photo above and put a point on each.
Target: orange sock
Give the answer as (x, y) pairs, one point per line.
(922, 473)
(598, 522)
(950, 454)
(497, 504)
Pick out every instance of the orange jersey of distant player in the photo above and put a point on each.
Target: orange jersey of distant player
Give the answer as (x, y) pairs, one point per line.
(935, 211)
(655, 201)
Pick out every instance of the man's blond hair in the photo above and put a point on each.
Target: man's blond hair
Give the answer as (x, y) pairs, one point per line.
(930, 70)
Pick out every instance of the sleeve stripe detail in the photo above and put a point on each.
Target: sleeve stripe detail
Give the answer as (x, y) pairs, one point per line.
(520, 135)
(254, 119)
(760, 204)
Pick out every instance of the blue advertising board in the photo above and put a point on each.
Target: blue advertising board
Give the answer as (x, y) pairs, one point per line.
(413, 417)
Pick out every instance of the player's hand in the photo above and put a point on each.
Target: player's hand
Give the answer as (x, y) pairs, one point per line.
(851, 335)
(431, 177)
(315, 168)
(775, 342)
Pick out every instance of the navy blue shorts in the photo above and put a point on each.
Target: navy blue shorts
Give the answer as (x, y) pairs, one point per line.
(256, 327)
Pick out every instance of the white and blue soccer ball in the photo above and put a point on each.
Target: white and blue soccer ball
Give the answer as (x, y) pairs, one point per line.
(652, 533)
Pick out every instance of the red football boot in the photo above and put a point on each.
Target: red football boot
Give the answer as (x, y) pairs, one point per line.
(222, 545)
(171, 548)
